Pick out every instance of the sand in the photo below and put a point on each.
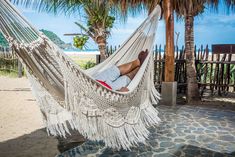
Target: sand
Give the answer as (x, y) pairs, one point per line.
(22, 133)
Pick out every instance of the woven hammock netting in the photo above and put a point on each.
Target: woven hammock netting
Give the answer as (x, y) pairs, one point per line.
(70, 97)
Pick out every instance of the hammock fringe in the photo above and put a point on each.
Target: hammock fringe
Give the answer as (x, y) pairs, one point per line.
(69, 97)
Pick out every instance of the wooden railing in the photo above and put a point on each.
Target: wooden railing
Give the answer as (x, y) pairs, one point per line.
(215, 71)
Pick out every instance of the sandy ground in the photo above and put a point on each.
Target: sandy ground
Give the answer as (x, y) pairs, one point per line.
(22, 133)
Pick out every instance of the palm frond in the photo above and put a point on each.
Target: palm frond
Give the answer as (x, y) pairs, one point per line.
(85, 29)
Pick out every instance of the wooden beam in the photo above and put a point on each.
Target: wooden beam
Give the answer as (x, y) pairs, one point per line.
(169, 55)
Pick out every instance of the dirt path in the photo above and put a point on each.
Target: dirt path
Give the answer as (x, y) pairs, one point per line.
(21, 129)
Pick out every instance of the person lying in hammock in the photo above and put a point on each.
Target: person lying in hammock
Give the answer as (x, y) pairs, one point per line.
(118, 77)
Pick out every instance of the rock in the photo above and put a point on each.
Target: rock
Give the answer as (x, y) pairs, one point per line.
(179, 140)
(166, 144)
(228, 138)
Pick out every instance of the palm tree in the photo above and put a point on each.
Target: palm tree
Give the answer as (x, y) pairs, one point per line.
(188, 9)
(97, 15)
(99, 23)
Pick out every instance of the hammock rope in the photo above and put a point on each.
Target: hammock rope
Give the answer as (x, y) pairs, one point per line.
(70, 97)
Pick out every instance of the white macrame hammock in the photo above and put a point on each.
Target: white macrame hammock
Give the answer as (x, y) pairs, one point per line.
(69, 96)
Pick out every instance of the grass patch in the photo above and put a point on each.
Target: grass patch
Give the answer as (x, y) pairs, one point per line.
(84, 63)
(9, 74)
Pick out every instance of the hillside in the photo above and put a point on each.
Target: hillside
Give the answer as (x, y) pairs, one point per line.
(53, 37)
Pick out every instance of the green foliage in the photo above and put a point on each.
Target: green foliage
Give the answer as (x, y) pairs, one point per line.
(88, 65)
(207, 71)
(232, 73)
(80, 41)
(3, 41)
(85, 64)
(99, 22)
(97, 19)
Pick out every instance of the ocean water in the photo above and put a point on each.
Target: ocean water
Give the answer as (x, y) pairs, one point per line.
(81, 52)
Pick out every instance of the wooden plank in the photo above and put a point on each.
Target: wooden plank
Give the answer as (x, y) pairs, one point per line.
(227, 80)
(20, 69)
(211, 74)
(221, 85)
(221, 74)
(223, 48)
(155, 64)
(161, 76)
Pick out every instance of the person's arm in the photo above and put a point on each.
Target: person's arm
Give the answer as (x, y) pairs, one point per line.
(123, 89)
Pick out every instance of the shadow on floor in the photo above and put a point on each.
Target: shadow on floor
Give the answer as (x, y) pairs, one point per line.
(194, 151)
(35, 144)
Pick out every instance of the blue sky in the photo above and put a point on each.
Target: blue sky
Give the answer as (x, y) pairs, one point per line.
(210, 28)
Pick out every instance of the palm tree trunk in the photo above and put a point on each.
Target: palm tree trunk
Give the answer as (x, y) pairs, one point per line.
(101, 41)
(192, 83)
(102, 49)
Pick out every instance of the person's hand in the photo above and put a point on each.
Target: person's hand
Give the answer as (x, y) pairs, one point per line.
(124, 89)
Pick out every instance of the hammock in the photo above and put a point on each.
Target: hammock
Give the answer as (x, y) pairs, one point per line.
(70, 97)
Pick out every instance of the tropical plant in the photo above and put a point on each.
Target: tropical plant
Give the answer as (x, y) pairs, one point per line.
(96, 13)
(98, 26)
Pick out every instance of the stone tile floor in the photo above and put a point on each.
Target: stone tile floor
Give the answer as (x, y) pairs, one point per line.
(185, 131)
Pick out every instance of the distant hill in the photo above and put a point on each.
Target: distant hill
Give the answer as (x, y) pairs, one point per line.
(3, 41)
(53, 37)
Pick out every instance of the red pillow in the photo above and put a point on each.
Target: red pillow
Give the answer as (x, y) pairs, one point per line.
(104, 84)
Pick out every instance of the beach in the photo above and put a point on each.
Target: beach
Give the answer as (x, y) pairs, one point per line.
(22, 133)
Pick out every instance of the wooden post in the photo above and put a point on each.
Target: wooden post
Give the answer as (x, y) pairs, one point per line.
(169, 87)
(20, 69)
(169, 60)
(98, 59)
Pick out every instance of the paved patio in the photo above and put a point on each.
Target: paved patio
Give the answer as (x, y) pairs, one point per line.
(185, 131)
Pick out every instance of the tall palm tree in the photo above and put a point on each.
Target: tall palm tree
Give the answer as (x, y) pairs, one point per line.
(99, 21)
(188, 9)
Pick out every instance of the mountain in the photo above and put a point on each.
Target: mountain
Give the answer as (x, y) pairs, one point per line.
(53, 37)
(3, 41)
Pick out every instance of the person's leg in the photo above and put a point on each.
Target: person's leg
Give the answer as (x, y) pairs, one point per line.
(123, 81)
(128, 67)
(132, 74)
